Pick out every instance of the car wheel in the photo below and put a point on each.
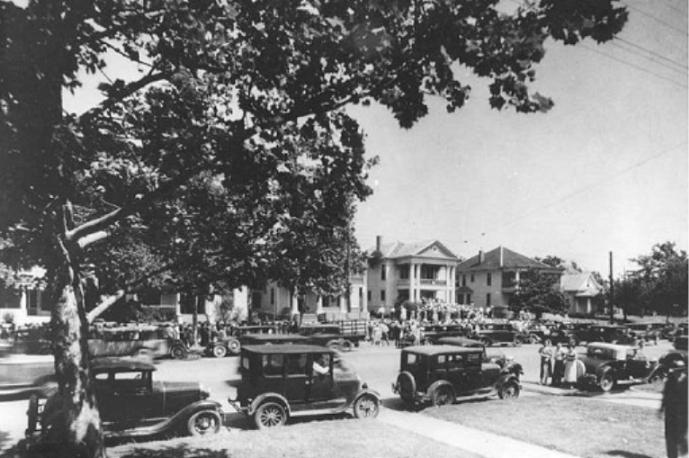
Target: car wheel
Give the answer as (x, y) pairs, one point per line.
(346, 345)
(517, 342)
(406, 386)
(366, 406)
(442, 395)
(178, 352)
(203, 423)
(657, 381)
(234, 346)
(269, 415)
(509, 390)
(219, 351)
(607, 382)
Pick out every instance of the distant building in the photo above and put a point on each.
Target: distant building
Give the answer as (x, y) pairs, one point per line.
(25, 302)
(580, 289)
(489, 279)
(409, 271)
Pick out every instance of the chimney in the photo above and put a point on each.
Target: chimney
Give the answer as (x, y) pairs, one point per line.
(379, 242)
(481, 258)
(501, 256)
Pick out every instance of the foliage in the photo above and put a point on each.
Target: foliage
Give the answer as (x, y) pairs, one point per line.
(660, 284)
(539, 293)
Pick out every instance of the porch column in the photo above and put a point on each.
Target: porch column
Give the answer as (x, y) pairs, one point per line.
(23, 301)
(342, 299)
(319, 305)
(295, 302)
(411, 282)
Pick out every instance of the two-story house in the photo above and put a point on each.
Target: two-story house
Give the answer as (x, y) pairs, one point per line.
(409, 271)
(489, 279)
(581, 288)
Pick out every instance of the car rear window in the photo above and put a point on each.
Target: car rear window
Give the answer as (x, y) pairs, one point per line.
(296, 364)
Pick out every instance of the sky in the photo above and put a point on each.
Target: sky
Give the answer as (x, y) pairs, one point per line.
(605, 171)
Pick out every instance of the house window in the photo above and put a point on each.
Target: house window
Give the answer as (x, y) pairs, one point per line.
(468, 299)
(489, 279)
(382, 295)
(368, 296)
(272, 296)
(404, 273)
(464, 280)
(487, 299)
(383, 275)
(472, 278)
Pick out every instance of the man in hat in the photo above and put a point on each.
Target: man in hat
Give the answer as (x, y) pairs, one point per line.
(674, 406)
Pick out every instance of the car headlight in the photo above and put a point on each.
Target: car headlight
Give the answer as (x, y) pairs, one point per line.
(205, 392)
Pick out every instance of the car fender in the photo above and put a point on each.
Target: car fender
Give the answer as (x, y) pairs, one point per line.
(180, 418)
(367, 391)
(276, 397)
(515, 369)
(437, 384)
(658, 370)
(604, 368)
(504, 378)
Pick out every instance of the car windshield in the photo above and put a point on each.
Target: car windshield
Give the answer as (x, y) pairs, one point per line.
(412, 360)
(602, 353)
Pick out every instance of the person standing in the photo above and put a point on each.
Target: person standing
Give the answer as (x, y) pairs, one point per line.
(559, 365)
(570, 377)
(547, 353)
(674, 405)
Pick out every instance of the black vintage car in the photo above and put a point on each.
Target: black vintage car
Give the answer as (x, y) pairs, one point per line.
(294, 380)
(132, 404)
(442, 374)
(329, 335)
(498, 334)
(610, 365)
(495, 356)
(611, 333)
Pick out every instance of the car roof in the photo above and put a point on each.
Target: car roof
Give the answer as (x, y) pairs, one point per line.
(439, 349)
(611, 326)
(121, 364)
(608, 346)
(286, 349)
(274, 337)
(461, 341)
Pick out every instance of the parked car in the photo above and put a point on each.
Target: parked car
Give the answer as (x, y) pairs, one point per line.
(329, 335)
(648, 332)
(131, 341)
(232, 344)
(611, 333)
(274, 339)
(568, 333)
(495, 356)
(132, 404)
(443, 374)
(610, 365)
(431, 333)
(22, 375)
(279, 382)
(498, 333)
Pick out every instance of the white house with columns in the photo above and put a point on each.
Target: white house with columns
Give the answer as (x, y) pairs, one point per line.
(410, 271)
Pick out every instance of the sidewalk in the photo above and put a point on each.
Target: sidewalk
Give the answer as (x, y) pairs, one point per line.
(482, 443)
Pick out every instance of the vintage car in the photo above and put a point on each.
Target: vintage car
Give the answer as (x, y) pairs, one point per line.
(132, 404)
(132, 341)
(275, 339)
(294, 380)
(431, 333)
(611, 333)
(498, 333)
(442, 374)
(232, 344)
(648, 332)
(567, 333)
(22, 375)
(495, 356)
(329, 335)
(610, 365)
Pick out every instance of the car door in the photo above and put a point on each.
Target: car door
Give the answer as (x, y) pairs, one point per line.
(129, 401)
(320, 386)
(457, 374)
(297, 381)
(475, 377)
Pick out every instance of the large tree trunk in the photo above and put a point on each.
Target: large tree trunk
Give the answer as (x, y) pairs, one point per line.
(73, 422)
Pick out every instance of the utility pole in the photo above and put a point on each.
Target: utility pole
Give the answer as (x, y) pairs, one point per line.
(348, 285)
(612, 293)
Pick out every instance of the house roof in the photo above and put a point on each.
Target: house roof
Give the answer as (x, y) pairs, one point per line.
(396, 250)
(583, 282)
(500, 258)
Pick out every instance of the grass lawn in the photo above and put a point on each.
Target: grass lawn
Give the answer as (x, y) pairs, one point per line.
(343, 438)
(583, 427)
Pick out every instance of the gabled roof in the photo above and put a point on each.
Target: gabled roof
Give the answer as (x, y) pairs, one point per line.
(580, 283)
(501, 258)
(396, 250)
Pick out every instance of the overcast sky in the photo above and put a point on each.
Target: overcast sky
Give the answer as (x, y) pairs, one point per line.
(604, 171)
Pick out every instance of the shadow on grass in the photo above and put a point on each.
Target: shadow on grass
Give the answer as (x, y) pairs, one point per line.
(626, 454)
(175, 451)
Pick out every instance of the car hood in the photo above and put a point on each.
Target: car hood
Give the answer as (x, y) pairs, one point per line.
(179, 387)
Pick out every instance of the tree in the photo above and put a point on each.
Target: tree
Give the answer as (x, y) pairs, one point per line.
(539, 294)
(242, 99)
(660, 284)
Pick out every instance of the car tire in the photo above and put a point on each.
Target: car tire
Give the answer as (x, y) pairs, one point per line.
(442, 395)
(509, 390)
(204, 423)
(517, 342)
(406, 386)
(270, 415)
(366, 406)
(607, 381)
(347, 345)
(178, 352)
(234, 346)
(219, 351)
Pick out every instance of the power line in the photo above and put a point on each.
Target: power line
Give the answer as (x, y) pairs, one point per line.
(650, 59)
(660, 56)
(672, 7)
(657, 19)
(638, 67)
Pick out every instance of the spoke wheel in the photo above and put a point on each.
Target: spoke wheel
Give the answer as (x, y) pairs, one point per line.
(219, 351)
(607, 382)
(178, 352)
(442, 396)
(509, 390)
(204, 422)
(270, 415)
(234, 346)
(366, 406)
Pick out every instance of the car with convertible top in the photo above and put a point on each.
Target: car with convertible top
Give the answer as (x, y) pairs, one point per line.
(611, 365)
